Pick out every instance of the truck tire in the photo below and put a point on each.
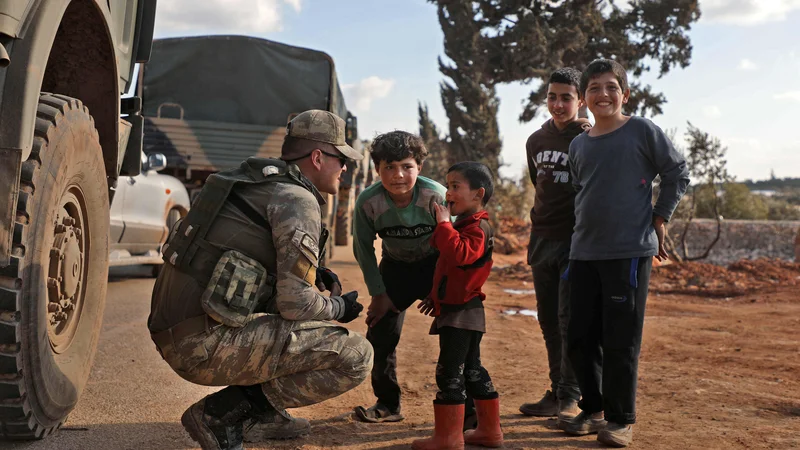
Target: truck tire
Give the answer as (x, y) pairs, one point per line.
(328, 214)
(53, 293)
(173, 216)
(343, 212)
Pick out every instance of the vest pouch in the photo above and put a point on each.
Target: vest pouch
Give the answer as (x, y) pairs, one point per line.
(233, 291)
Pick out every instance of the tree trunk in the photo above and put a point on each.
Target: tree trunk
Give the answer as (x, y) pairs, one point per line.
(719, 230)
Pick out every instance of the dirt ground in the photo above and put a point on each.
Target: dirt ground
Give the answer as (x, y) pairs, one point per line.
(720, 364)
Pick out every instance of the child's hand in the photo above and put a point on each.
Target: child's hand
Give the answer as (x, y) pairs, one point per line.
(658, 224)
(426, 306)
(378, 307)
(442, 213)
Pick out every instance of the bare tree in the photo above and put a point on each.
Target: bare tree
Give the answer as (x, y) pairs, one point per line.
(705, 157)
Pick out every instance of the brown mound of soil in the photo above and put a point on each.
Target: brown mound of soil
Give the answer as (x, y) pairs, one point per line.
(512, 235)
(740, 278)
(517, 271)
(701, 279)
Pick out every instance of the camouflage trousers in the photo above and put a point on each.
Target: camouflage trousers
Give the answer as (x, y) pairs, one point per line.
(296, 363)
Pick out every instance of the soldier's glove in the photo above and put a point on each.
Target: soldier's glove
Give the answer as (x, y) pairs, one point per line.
(351, 308)
(326, 279)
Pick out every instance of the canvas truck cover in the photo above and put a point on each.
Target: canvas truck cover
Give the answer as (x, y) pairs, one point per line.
(238, 79)
(210, 102)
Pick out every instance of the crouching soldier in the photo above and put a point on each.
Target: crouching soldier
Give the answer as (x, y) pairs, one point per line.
(235, 305)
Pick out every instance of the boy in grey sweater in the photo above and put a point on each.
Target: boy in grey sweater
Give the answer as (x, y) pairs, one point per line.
(617, 233)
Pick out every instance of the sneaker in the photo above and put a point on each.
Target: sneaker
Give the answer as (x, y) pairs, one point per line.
(546, 407)
(616, 435)
(583, 424)
(275, 425)
(209, 432)
(567, 410)
(378, 413)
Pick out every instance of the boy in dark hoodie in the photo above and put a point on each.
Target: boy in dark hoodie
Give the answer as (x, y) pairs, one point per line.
(552, 218)
(456, 300)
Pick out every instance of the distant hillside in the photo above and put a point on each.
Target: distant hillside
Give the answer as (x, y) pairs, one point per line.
(774, 184)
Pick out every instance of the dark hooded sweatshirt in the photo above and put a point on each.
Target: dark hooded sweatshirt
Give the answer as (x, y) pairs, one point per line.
(553, 213)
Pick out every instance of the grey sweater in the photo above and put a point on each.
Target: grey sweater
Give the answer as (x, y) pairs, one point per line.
(613, 175)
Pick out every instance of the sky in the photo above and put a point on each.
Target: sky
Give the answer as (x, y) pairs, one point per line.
(741, 86)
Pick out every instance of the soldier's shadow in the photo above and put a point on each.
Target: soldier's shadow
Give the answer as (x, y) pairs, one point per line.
(336, 432)
(112, 436)
(346, 431)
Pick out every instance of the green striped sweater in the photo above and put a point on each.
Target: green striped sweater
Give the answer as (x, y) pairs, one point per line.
(405, 232)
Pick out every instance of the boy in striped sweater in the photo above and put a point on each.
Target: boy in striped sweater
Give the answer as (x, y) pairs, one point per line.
(399, 210)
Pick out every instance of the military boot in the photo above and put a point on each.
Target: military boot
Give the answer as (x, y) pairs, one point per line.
(266, 422)
(216, 421)
(275, 425)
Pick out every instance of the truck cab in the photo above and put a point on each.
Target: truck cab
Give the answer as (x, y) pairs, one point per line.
(66, 135)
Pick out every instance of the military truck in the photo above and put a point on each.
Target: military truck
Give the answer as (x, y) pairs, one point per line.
(65, 137)
(358, 177)
(210, 102)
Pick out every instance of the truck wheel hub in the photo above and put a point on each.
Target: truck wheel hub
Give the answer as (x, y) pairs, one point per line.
(66, 271)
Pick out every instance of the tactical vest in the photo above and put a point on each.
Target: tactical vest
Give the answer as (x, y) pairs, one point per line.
(237, 285)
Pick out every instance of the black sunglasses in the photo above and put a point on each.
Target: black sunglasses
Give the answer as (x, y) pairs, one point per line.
(342, 159)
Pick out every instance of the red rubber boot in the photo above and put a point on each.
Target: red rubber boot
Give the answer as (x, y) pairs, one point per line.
(447, 430)
(488, 433)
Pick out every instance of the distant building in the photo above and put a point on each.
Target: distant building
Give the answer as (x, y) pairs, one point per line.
(765, 192)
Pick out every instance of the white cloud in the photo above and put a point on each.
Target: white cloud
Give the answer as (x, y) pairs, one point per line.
(750, 143)
(746, 64)
(365, 91)
(185, 17)
(712, 112)
(294, 4)
(746, 12)
(789, 95)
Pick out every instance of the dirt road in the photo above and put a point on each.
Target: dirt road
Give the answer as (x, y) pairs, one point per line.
(714, 374)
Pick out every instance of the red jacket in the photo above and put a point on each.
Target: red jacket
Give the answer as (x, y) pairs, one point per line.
(465, 260)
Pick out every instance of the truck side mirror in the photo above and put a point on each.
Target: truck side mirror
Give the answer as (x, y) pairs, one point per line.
(156, 161)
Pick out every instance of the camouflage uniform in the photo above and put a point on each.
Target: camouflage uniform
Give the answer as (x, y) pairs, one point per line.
(287, 346)
(270, 348)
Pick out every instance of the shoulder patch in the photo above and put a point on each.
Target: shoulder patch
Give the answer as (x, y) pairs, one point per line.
(306, 244)
(307, 261)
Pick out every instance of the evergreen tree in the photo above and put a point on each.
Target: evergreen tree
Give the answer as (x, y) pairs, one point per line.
(530, 39)
(468, 96)
(438, 161)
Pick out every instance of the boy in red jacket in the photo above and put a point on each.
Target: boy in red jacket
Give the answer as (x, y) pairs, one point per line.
(456, 302)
